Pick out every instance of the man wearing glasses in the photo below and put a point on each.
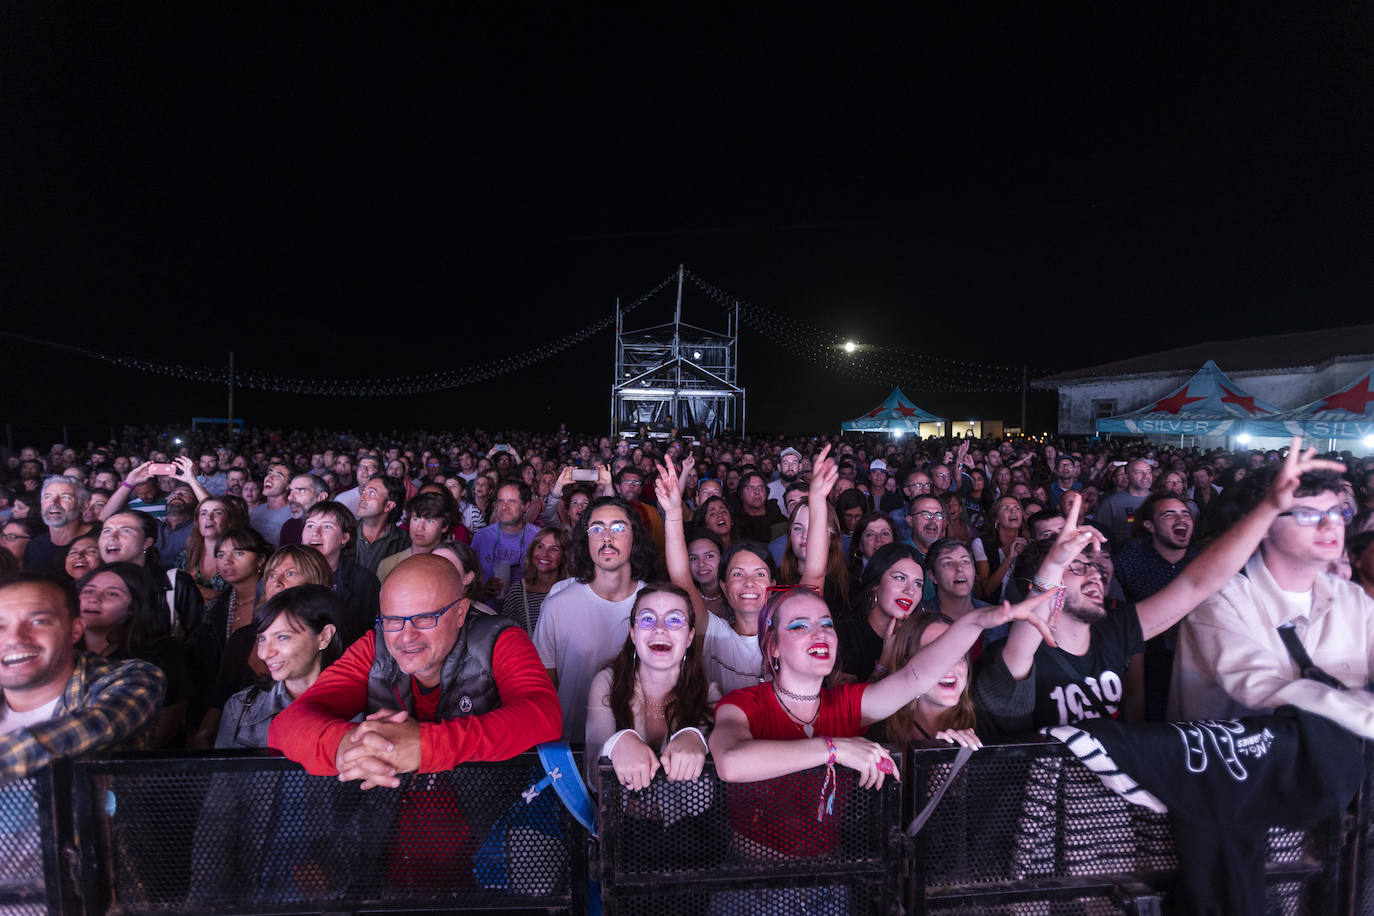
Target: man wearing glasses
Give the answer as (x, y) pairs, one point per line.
(1027, 684)
(438, 687)
(584, 621)
(1240, 650)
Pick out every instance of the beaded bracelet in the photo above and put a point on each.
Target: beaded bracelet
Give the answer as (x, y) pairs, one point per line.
(826, 804)
(1040, 585)
(1057, 605)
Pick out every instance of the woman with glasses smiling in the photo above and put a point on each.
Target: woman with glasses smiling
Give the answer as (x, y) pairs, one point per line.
(651, 707)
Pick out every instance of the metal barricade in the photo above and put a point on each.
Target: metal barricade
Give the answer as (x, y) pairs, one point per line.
(247, 833)
(1026, 828)
(748, 848)
(30, 883)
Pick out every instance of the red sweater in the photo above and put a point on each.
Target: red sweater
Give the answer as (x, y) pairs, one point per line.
(309, 729)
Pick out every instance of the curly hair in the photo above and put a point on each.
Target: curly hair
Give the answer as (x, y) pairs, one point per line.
(642, 556)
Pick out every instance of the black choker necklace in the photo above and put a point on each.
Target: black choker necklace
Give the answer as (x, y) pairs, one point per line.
(796, 697)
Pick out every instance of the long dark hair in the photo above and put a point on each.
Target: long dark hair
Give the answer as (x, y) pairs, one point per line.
(642, 557)
(311, 606)
(147, 620)
(686, 703)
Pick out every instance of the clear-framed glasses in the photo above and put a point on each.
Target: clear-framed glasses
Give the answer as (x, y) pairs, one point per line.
(1308, 517)
(601, 529)
(426, 621)
(1081, 567)
(926, 515)
(672, 620)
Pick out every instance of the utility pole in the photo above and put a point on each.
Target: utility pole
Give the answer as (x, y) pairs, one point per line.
(1024, 372)
(231, 395)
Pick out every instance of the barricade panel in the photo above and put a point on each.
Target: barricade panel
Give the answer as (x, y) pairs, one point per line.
(29, 882)
(257, 834)
(713, 847)
(1024, 827)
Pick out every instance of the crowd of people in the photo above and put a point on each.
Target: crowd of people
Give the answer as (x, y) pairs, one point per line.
(384, 605)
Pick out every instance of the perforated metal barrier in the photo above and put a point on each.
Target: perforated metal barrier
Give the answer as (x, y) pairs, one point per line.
(28, 847)
(1023, 829)
(749, 848)
(258, 835)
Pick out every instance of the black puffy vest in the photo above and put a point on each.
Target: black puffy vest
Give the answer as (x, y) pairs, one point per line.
(467, 685)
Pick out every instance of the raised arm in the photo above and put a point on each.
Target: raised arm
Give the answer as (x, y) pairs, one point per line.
(120, 497)
(669, 496)
(823, 478)
(885, 697)
(186, 473)
(1225, 556)
(1024, 639)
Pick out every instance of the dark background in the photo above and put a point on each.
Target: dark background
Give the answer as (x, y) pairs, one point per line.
(330, 192)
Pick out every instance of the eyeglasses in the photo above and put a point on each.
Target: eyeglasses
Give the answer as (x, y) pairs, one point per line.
(427, 621)
(1307, 517)
(927, 516)
(673, 620)
(1081, 567)
(11, 537)
(600, 529)
(918, 485)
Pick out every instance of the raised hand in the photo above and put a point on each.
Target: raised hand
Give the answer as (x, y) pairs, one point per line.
(1298, 462)
(990, 617)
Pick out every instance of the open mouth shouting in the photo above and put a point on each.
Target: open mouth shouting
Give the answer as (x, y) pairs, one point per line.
(819, 650)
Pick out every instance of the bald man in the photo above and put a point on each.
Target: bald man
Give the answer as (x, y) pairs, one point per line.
(440, 687)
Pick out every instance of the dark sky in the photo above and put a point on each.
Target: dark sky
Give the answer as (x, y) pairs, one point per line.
(403, 191)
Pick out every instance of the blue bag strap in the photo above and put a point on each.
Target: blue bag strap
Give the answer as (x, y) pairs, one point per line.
(561, 771)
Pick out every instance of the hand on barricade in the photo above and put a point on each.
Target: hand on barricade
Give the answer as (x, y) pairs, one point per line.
(635, 764)
(871, 761)
(386, 744)
(684, 757)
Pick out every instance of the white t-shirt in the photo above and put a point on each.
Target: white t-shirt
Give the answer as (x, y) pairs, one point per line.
(732, 661)
(577, 634)
(11, 721)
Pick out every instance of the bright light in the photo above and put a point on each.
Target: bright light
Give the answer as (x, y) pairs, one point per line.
(1243, 438)
(1369, 441)
(176, 441)
(696, 354)
(850, 346)
(897, 433)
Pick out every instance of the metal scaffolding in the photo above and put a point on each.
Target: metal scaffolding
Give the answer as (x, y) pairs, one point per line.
(677, 376)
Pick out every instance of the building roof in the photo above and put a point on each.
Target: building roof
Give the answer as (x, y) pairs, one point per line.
(1249, 354)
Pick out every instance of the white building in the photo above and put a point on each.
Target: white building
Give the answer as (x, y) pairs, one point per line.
(1286, 369)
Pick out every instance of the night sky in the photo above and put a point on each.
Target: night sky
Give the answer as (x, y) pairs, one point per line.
(416, 189)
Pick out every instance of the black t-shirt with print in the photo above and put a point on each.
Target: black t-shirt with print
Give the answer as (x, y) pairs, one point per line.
(1061, 699)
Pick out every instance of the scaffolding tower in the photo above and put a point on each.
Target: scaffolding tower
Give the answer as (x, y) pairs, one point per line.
(677, 376)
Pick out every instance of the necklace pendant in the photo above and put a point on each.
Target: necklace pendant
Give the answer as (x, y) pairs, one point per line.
(810, 730)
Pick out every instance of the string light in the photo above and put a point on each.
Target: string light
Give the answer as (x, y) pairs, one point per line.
(910, 369)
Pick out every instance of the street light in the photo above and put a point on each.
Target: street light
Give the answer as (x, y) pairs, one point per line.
(850, 346)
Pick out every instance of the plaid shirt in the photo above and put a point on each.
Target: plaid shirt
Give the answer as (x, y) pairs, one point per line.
(108, 705)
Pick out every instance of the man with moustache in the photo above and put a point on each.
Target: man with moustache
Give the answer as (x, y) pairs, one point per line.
(305, 491)
(789, 470)
(1026, 684)
(61, 505)
(584, 623)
